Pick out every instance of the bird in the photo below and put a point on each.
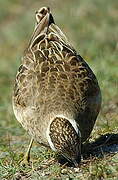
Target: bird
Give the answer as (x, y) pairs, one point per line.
(56, 95)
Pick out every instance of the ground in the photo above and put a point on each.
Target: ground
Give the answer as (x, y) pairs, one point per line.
(92, 28)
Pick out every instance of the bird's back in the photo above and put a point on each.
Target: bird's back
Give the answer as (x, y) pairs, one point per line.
(54, 80)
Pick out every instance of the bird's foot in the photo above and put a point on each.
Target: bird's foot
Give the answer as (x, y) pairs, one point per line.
(25, 161)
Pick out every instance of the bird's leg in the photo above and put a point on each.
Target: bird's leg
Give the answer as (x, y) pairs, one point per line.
(26, 158)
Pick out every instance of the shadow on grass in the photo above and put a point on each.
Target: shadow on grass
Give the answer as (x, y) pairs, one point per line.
(105, 144)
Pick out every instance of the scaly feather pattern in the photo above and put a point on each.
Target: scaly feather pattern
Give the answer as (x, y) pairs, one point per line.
(54, 80)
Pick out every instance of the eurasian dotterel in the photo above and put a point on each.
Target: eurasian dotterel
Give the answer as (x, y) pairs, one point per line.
(56, 95)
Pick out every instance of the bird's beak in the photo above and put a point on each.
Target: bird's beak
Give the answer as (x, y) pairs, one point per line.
(76, 161)
(76, 164)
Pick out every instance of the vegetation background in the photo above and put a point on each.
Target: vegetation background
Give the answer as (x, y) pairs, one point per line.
(92, 28)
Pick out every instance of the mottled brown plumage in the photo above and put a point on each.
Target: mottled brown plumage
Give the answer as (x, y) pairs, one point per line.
(54, 82)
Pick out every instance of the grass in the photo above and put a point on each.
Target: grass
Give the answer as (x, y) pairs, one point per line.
(92, 28)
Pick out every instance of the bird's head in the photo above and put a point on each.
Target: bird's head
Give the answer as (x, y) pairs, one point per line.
(64, 138)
